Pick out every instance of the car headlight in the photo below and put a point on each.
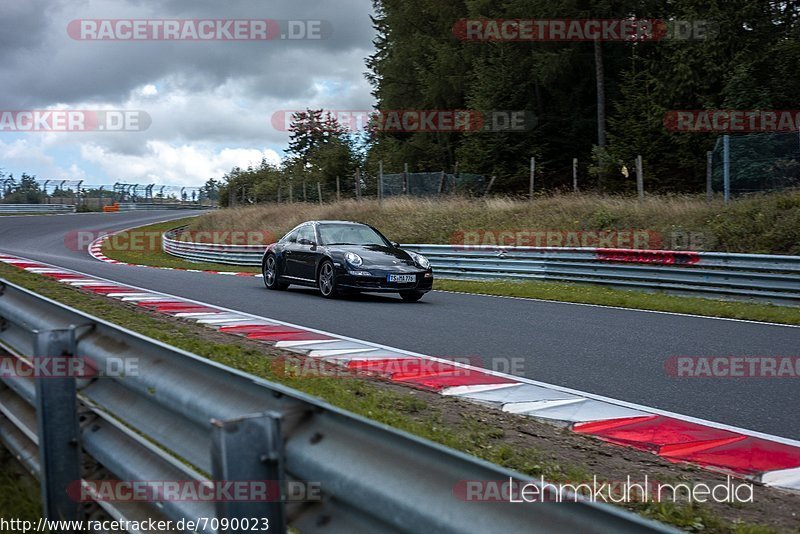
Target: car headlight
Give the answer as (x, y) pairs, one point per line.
(353, 259)
(421, 260)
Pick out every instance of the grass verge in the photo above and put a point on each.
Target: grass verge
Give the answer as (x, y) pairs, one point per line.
(516, 442)
(592, 294)
(148, 251)
(19, 498)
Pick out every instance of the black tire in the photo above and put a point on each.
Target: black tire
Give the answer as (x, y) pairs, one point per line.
(411, 296)
(326, 280)
(271, 280)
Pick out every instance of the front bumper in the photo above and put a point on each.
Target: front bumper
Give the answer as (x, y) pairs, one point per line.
(377, 281)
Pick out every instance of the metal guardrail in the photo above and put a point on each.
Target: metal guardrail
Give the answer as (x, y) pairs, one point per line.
(141, 206)
(179, 417)
(760, 277)
(37, 208)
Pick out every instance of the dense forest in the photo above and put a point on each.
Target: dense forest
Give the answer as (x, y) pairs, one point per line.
(747, 61)
(604, 102)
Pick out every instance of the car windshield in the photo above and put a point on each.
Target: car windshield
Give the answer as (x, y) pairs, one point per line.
(350, 234)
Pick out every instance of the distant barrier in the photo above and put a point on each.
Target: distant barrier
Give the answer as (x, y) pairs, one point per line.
(760, 277)
(138, 206)
(36, 208)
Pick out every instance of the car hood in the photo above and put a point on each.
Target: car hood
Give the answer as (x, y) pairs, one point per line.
(379, 256)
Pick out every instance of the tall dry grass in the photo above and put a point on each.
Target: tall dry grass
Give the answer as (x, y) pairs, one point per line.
(764, 223)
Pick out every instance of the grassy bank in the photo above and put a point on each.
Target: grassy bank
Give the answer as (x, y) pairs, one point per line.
(768, 223)
(118, 248)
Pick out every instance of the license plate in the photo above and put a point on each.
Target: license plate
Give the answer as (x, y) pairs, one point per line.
(401, 278)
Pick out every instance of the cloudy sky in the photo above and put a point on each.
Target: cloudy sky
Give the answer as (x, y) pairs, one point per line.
(211, 102)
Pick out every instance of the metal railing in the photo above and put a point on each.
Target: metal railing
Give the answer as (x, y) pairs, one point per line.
(37, 208)
(140, 206)
(174, 416)
(760, 277)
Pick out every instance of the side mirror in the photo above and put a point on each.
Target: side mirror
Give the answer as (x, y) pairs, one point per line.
(395, 244)
(306, 242)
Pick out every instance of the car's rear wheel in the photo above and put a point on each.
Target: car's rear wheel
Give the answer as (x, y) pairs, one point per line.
(326, 280)
(270, 271)
(411, 296)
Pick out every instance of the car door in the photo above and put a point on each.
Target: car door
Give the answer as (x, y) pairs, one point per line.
(304, 253)
(290, 250)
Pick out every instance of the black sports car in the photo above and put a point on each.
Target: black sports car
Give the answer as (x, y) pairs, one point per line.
(342, 256)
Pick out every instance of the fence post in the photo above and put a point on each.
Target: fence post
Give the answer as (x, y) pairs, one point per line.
(250, 448)
(46, 198)
(291, 193)
(441, 183)
(639, 177)
(709, 173)
(489, 187)
(574, 175)
(338, 194)
(405, 178)
(358, 184)
(726, 168)
(57, 427)
(319, 193)
(533, 173)
(455, 179)
(380, 181)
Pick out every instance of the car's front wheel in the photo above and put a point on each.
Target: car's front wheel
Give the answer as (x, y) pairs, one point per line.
(270, 271)
(411, 296)
(326, 280)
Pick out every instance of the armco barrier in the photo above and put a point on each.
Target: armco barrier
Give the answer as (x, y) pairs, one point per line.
(179, 417)
(713, 274)
(142, 206)
(36, 208)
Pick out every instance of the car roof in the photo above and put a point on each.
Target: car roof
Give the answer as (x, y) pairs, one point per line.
(338, 222)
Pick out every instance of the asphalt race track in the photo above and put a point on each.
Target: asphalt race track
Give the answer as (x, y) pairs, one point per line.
(612, 352)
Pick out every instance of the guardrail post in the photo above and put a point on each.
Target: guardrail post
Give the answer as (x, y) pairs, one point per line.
(58, 431)
(250, 448)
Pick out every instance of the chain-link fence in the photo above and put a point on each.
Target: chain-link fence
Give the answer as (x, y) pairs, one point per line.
(428, 184)
(757, 162)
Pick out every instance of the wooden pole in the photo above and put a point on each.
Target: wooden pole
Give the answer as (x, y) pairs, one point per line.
(575, 175)
(533, 173)
(338, 193)
(709, 171)
(489, 187)
(639, 177)
(380, 182)
(405, 179)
